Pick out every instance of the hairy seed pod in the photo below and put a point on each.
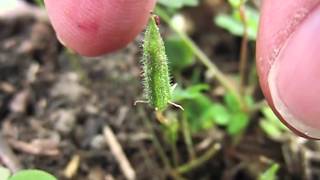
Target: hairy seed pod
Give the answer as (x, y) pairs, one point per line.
(155, 67)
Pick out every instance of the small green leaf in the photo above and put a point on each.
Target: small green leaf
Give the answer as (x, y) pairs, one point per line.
(219, 114)
(171, 129)
(271, 125)
(190, 93)
(178, 3)
(32, 175)
(233, 24)
(229, 23)
(268, 113)
(196, 111)
(270, 116)
(179, 53)
(270, 129)
(231, 102)
(39, 3)
(270, 173)
(249, 100)
(235, 3)
(238, 123)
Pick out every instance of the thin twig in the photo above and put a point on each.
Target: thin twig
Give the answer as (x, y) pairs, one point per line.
(202, 57)
(156, 143)
(160, 117)
(174, 150)
(119, 154)
(187, 138)
(244, 48)
(44, 147)
(200, 161)
(165, 160)
(76, 65)
(72, 167)
(7, 157)
(258, 106)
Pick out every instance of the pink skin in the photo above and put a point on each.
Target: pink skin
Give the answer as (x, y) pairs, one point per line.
(288, 47)
(96, 27)
(288, 61)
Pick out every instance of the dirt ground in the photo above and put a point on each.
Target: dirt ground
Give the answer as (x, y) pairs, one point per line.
(55, 105)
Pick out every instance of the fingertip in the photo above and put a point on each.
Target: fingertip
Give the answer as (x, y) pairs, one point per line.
(93, 28)
(287, 51)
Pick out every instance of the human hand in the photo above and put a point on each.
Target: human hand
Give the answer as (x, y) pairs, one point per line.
(288, 61)
(288, 47)
(96, 27)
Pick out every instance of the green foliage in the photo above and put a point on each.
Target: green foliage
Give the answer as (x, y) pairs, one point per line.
(32, 175)
(232, 22)
(238, 122)
(203, 113)
(178, 3)
(271, 125)
(191, 93)
(156, 73)
(179, 53)
(232, 103)
(171, 129)
(234, 3)
(219, 113)
(197, 106)
(270, 173)
(39, 3)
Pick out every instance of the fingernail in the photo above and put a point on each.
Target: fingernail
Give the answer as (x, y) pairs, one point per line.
(294, 78)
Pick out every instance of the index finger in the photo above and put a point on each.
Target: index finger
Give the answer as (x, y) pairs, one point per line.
(93, 28)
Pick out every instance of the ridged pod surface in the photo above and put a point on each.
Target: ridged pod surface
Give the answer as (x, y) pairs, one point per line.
(96, 27)
(288, 61)
(155, 67)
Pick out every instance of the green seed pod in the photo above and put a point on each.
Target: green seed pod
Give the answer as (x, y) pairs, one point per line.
(157, 86)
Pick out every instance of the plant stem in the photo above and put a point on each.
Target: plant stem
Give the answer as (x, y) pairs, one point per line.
(187, 138)
(258, 106)
(174, 150)
(202, 57)
(244, 48)
(76, 66)
(155, 141)
(200, 161)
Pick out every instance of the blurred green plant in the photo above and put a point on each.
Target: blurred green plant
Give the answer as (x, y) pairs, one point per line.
(203, 113)
(31, 174)
(179, 53)
(232, 22)
(171, 128)
(270, 173)
(39, 3)
(271, 125)
(176, 4)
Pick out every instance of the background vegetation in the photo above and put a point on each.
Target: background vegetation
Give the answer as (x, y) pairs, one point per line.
(74, 117)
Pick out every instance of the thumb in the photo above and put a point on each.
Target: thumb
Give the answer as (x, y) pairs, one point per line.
(288, 61)
(93, 28)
